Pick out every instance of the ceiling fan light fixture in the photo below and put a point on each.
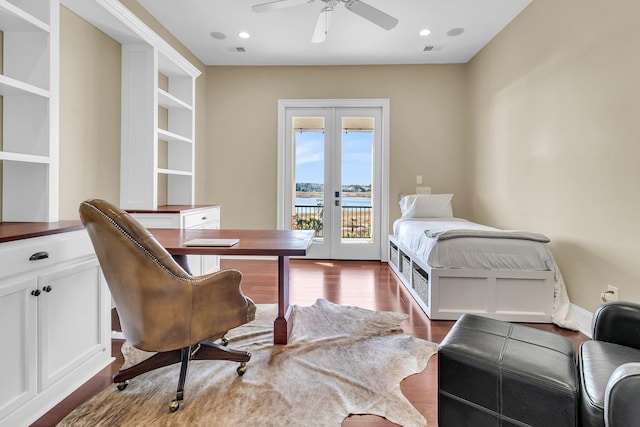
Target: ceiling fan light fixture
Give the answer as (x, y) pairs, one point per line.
(322, 25)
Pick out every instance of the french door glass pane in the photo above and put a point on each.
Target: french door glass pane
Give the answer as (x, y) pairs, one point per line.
(308, 197)
(357, 179)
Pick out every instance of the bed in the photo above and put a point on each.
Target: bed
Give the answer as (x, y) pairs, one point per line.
(454, 266)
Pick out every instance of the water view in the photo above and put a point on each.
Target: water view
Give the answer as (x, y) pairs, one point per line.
(346, 201)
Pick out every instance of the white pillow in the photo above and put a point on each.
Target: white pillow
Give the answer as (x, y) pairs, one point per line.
(426, 206)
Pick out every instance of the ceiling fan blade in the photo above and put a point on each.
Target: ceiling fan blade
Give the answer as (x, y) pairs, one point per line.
(372, 14)
(278, 4)
(322, 25)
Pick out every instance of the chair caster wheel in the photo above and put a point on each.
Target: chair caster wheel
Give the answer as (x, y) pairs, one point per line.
(175, 405)
(121, 386)
(224, 342)
(242, 369)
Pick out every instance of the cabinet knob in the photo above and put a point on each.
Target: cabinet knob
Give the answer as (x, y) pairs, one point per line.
(39, 255)
(35, 292)
(203, 218)
(47, 288)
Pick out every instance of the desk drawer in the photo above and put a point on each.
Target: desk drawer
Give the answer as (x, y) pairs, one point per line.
(157, 220)
(201, 218)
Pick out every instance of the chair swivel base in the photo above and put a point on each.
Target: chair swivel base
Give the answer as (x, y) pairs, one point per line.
(205, 350)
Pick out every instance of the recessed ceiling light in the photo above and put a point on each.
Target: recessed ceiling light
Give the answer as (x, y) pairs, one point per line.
(455, 32)
(425, 32)
(243, 35)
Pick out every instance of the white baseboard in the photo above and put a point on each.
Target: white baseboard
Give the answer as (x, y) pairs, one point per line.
(117, 335)
(583, 317)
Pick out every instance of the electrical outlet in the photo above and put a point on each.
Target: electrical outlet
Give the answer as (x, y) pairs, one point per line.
(613, 293)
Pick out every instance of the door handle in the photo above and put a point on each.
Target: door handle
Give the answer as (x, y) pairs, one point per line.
(337, 202)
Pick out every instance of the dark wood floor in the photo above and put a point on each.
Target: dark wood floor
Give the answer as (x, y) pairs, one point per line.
(369, 285)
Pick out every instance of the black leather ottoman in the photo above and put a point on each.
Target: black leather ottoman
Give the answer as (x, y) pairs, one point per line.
(494, 373)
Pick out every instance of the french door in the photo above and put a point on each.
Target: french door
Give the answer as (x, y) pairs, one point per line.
(333, 162)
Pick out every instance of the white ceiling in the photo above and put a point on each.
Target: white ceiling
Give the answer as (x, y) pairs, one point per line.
(283, 37)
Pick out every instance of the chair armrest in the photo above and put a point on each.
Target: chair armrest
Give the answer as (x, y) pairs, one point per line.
(218, 304)
(621, 397)
(617, 322)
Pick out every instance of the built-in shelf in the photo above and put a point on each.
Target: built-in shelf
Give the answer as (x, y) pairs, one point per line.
(174, 172)
(24, 158)
(9, 86)
(165, 135)
(166, 100)
(12, 18)
(29, 85)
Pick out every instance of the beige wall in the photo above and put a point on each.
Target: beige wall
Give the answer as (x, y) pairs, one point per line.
(427, 130)
(89, 114)
(555, 108)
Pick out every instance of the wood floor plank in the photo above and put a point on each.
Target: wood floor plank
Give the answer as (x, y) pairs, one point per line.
(367, 284)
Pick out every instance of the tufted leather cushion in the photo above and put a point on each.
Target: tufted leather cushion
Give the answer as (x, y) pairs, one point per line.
(497, 373)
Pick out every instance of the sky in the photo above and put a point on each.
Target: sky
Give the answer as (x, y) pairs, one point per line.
(356, 158)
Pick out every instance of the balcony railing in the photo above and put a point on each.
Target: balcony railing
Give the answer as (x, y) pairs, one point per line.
(356, 220)
(308, 218)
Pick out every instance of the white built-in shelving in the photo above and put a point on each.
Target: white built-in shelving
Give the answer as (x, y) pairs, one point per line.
(179, 101)
(157, 157)
(29, 88)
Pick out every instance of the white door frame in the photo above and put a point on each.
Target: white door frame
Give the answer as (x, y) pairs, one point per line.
(384, 105)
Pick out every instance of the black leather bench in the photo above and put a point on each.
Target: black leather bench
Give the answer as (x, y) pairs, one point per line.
(494, 373)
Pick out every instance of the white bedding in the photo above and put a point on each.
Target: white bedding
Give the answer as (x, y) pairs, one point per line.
(482, 253)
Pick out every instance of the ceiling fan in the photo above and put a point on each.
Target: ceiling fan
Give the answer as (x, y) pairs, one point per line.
(358, 7)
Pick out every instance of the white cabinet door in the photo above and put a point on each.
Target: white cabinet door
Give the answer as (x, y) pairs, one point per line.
(54, 323)
(69, 319)
(19, 339)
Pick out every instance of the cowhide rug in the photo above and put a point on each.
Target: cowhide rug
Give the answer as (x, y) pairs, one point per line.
(339, 361)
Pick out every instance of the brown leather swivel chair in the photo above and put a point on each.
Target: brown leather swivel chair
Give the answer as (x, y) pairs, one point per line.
(162, 308)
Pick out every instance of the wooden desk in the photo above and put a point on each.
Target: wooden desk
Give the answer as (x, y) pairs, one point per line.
(280, 243)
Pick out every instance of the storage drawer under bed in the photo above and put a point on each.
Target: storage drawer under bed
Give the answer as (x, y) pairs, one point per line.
(394, 255)
(405, 266)
(420, 283)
